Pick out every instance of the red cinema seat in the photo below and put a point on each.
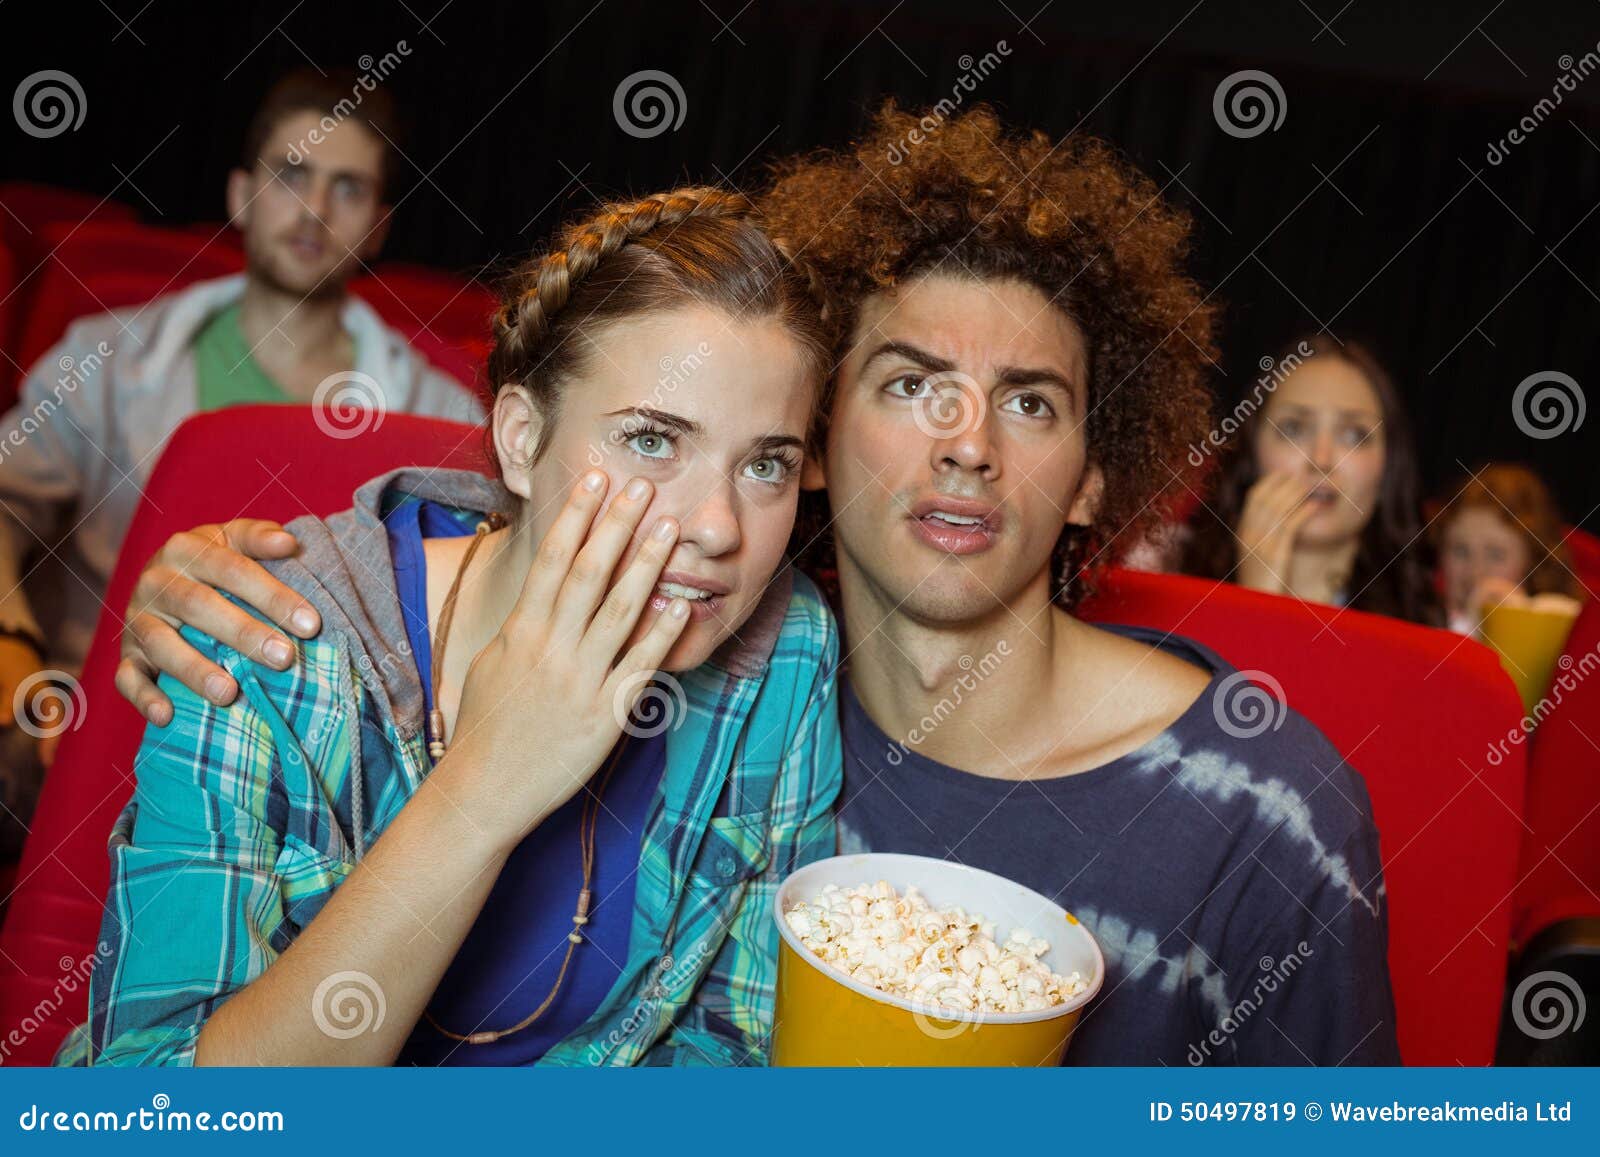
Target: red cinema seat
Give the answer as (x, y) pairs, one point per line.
(26, 212)
(1560, 877)
(9, 369)
(94, 263)
(26, 209)
(1416, 712)
(266, 461)
(1583, 549)
(443, 316)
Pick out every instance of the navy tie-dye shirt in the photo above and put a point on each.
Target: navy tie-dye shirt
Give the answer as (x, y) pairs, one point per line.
(1228, 868)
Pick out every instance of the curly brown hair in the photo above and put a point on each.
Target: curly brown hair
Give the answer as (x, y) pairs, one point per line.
(963, 196)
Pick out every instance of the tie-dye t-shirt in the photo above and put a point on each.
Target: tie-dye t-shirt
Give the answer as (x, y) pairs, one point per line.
(1228, 868)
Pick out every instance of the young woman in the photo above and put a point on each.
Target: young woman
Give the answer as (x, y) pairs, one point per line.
(1499, 537)
(1320, 497)
(443, 834)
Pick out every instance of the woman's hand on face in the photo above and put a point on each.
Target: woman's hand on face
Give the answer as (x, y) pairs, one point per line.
(545, 701)
(176, 588)
(1274, 511)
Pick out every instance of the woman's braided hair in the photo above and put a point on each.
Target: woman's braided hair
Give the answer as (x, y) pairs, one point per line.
(695, 244)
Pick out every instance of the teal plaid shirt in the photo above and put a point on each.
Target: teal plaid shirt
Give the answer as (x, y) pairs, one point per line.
(238, 833)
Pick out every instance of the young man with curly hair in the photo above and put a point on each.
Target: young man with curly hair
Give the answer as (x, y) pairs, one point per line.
(1021, 367)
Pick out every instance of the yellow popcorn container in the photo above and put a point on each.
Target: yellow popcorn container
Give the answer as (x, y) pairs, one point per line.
(825, 1018)
(1529, 642)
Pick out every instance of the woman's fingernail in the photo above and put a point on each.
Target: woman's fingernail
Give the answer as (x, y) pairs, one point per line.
(664, 529)
(679, 608)
(594, 480)
(216, 690)
(304, 620)
(278, 651)
(637, 488)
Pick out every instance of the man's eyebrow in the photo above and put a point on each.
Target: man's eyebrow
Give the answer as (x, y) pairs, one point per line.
(1035, 376)
(285, 163)
(1011, 376)
(672, 421)
(910, 353)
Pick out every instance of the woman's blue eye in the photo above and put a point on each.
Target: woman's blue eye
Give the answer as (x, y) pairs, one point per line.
(771, 470)
(649, 444)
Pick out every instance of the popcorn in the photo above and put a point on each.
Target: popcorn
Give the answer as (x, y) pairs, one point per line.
(946, 958)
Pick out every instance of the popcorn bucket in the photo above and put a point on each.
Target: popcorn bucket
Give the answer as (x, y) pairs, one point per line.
(1529, 642)
(825, 1018)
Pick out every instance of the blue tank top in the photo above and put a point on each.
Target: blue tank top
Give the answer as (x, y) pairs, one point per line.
(510, 958)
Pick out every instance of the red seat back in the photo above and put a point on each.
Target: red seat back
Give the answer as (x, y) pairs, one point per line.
(97, 267)
(1583, 549)
(264, 461)
(1416, 712)
(26, 210)
(445, 318)
(9, 367)
(1561, 848)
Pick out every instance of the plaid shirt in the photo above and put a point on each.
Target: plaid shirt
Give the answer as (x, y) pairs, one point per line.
(237, 834)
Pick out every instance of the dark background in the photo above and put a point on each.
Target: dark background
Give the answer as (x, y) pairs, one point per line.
(1372, 211)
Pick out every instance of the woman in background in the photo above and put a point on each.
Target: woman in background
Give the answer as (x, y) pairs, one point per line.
(1499, 539)
(1319, 499)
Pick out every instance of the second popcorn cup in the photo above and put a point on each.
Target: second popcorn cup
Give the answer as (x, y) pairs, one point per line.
(826, 1018)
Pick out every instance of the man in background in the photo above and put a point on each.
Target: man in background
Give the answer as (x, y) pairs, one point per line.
(310, 200)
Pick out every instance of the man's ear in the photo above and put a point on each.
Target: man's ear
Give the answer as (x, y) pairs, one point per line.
(238, 197)
(1091, 492)
(518, 428)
